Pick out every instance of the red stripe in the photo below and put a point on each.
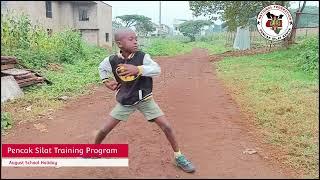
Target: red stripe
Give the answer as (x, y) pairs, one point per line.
(65, 150)
(268, 23)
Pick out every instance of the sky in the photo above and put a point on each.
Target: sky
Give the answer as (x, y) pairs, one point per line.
(170, 10)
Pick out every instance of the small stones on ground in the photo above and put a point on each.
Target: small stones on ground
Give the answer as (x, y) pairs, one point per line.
(249, 151)
(29, 108)
(64, 98)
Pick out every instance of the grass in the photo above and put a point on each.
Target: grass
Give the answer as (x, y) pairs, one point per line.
(165, 47)
(69, 80)
(215, 47)
(172, 47)
(283, 97)
(64, 58)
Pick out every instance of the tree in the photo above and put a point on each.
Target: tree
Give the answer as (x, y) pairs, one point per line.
(192, 28)
(132, 20)
(116, 25)
(234, 13)
(292, 36)
(144, 27)
(142, 23)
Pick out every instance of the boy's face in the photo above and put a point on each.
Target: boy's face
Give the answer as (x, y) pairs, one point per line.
(128, 42)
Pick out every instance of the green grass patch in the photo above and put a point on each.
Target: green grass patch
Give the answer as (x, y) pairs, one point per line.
(172, 47)
(165, 47)
(64, 58)
(6, 121)
(281, 90)
(213, 47)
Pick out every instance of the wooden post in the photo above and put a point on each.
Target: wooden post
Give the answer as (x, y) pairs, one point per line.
(306, 32)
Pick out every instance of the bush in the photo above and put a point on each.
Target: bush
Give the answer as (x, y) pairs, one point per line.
(15, 32)
(6, 120)
(308, 55)
(69, 46)
(64, 58)
(34, 47)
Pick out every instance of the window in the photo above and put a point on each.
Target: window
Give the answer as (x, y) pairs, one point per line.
(48, 9)
(49, 32)
(83, 15)
(107, 37)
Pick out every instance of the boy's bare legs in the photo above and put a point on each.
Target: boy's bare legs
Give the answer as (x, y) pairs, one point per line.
(163, 123)
(180, 159)
(109, 125)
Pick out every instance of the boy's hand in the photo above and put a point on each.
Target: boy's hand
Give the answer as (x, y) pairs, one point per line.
(112, 85)
(129, 70)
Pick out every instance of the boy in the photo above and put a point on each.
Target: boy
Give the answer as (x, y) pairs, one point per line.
(133, 71)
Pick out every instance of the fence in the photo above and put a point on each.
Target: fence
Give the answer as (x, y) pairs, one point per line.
(308, 26)
(256, 40)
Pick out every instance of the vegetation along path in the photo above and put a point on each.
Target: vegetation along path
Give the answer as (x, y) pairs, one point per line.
(208, 124)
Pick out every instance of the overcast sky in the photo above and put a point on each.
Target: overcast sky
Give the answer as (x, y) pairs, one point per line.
(169, 9)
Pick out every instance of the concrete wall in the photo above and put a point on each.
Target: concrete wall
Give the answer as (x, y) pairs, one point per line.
(90, 35)
(104, 24)
(22, 7)
(51, 23)
(65, 14)
(92, 14)
(37, 12)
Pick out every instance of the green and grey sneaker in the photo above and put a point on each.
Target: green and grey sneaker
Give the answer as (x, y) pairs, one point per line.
(184, 164)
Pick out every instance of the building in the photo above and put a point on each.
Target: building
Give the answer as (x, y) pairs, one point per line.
(162, 30)
(176, 23)
(92, 18)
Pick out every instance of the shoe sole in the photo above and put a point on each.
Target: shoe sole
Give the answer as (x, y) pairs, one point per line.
(190, 171)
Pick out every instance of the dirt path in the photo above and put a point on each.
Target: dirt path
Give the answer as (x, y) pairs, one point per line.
(207, 122)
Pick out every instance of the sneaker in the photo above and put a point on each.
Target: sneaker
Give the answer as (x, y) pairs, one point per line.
(184, 164)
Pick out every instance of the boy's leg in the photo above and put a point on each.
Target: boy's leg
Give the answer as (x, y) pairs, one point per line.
(180, 159)
(153, 113)
(163, 123)
(118, 113)
(110, 124)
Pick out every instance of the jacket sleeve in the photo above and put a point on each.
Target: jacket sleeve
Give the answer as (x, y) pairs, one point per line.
(105, 70)
(150, 67)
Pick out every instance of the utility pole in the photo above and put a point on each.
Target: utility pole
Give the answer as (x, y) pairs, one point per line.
(159, 30)
(159, 13)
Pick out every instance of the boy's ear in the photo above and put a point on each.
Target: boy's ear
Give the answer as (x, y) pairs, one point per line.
(119, 43)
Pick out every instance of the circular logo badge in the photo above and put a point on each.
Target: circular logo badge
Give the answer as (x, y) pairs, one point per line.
(274, 22)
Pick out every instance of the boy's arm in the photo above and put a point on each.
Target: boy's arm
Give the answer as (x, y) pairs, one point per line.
(105, 70)
(149, 68)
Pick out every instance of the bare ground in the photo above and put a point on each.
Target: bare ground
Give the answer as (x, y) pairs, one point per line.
(208, 124)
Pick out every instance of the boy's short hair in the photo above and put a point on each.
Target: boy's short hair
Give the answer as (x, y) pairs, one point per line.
(119, 32)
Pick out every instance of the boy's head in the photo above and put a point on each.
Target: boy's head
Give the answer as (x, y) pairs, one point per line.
(126, 40)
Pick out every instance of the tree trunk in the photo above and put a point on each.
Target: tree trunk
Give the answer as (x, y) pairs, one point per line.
(292, 36)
